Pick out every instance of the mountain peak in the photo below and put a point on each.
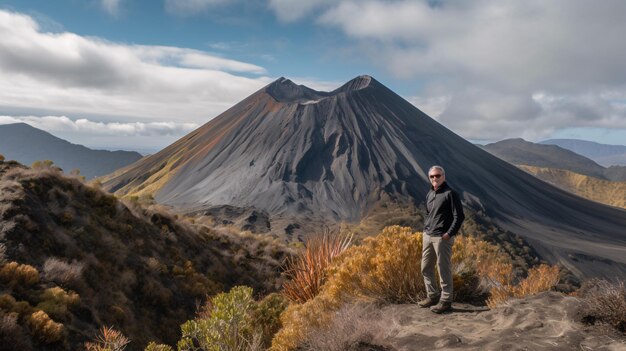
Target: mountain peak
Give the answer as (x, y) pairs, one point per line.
(284, 90)
(358, 83)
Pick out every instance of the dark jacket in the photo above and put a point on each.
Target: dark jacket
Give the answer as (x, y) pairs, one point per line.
(444, 211)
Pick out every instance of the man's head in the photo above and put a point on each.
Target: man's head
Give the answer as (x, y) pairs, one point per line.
(437, 176)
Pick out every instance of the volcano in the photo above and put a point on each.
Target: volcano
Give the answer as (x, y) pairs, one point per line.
(290, 150)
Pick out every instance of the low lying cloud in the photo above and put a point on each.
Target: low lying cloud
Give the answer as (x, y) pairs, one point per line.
(493, 68)
(87, 127)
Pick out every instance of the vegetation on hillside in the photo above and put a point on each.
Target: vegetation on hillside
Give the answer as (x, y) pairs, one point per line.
(386, 269)
(74, 258)
(595, 189)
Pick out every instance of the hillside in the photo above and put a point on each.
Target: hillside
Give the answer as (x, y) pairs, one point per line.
(26, 144)
(74, 258)
(599, 190)
(604, 154)
(522, 152)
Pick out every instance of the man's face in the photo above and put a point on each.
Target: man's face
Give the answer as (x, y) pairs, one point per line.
(436, 177)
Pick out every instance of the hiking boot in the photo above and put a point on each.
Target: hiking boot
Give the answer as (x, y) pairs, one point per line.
(441, 307)
(427, 302)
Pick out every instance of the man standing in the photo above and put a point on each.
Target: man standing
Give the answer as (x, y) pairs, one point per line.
(444, 215)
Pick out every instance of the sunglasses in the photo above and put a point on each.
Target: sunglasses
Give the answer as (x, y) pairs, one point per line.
(433, 176)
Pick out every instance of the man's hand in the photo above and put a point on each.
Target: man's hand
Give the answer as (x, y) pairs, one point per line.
(446, 236)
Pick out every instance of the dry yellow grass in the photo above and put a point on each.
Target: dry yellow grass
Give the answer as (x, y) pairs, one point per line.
(541, 278)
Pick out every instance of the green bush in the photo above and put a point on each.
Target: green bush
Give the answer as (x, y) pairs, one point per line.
(225, 324)
(267, 316)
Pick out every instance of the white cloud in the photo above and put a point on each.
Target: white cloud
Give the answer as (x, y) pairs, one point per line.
(290, 10)
(484, 61)
(111, 6)
(90, 128)
(190, 7)
(65, 73)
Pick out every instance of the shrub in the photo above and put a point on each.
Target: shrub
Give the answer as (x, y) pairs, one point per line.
(108, 339)
(21, 274)
(43, 328)
(266, 315)
(3, 254)
(604, 302)
(11, 334)
(55, 301)
(2, 158)
(40, 165)
(307, 271)
(8, 303)
(62, 272)
(225, 324)
(352, 326)
(157, 347)
(541, 278)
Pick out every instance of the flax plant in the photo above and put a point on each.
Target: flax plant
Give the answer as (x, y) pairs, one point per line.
(306, 272)
(108, 340)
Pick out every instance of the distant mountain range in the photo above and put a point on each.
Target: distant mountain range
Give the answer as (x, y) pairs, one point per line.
(26, 144)
(604, 154)
(288, 150)
(522, 152)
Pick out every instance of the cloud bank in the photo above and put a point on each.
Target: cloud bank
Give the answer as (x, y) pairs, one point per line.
(93, 128)
(492, 68)
(68, 73)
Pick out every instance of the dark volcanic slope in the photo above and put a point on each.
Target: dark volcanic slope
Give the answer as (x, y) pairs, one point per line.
(26, 144)
(290, 150)
(522, 152)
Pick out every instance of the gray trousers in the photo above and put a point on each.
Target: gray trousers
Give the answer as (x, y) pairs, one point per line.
(437, 250)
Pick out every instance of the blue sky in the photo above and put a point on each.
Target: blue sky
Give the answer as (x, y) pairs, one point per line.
(140, 74)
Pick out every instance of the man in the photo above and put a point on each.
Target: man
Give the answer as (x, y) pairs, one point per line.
(444, 215)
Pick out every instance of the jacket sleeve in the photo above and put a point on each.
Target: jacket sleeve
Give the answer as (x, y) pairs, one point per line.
(457, 214)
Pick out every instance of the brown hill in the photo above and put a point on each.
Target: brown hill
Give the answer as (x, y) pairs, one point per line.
(599, 190)
(291, 151)
(74, 258)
